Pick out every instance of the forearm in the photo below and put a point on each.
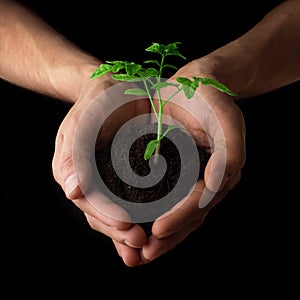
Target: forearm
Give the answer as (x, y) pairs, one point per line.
(263, 59)
(35, 56)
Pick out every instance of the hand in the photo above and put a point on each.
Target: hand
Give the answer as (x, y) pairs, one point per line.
(72, 166)
(222, 172)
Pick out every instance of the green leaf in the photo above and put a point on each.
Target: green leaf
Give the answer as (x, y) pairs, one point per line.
(117, 65)
(150, 148)
(163, 84)
(188, 86)
(155, 48)
(188, 91)
(132, 68)
(170, 49)
(221, 87)
(136, 92)
(124, 77)
(109, 66)
(170, 66)
(101, 70)
(184, 81)
(149, 72)
(152, 61)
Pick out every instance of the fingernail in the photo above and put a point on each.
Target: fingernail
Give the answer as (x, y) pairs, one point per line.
(206, 197)
(215, 181)
(130, 244)
(71, 183)
(159, 252)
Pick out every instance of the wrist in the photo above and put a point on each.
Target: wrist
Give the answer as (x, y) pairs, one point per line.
(90, 88)
(68, 81)
(230, 68)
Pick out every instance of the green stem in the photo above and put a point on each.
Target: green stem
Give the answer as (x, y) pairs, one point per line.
(159, 123)
(161, 67)
(160, 111)
(167, 100)
(161, 106)
(151, 99)
(160, 114)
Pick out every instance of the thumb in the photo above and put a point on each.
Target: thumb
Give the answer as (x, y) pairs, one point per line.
(215, 176)
(72, 164)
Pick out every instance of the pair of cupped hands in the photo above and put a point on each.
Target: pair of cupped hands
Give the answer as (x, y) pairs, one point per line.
(215, 122)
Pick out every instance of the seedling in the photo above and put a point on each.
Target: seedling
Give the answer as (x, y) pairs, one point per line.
(152, 83)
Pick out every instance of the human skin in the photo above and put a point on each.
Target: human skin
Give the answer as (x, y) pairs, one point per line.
(35, 56)
(263, 59)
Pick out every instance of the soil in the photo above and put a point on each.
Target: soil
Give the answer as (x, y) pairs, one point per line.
(173, 168)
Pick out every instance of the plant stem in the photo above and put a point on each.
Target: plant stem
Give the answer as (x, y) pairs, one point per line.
(173, 95)
(150, 98)
(159, 125)
(160, 110)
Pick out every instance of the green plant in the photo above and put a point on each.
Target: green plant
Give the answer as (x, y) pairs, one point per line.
(151, 79)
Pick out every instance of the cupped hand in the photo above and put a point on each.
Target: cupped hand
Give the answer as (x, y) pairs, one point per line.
(216, 123)
(79, 134)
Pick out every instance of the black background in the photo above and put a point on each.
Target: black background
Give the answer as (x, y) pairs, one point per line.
(247, 241)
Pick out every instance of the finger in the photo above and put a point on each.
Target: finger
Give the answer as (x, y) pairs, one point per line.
(188, 211)
(171, 229)
(133, 237)
(183, 214)
(97, 205)
(71, 161)
(228, 145)
(155, 247)
(75, 145)
(130, 256)
(208, 198)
